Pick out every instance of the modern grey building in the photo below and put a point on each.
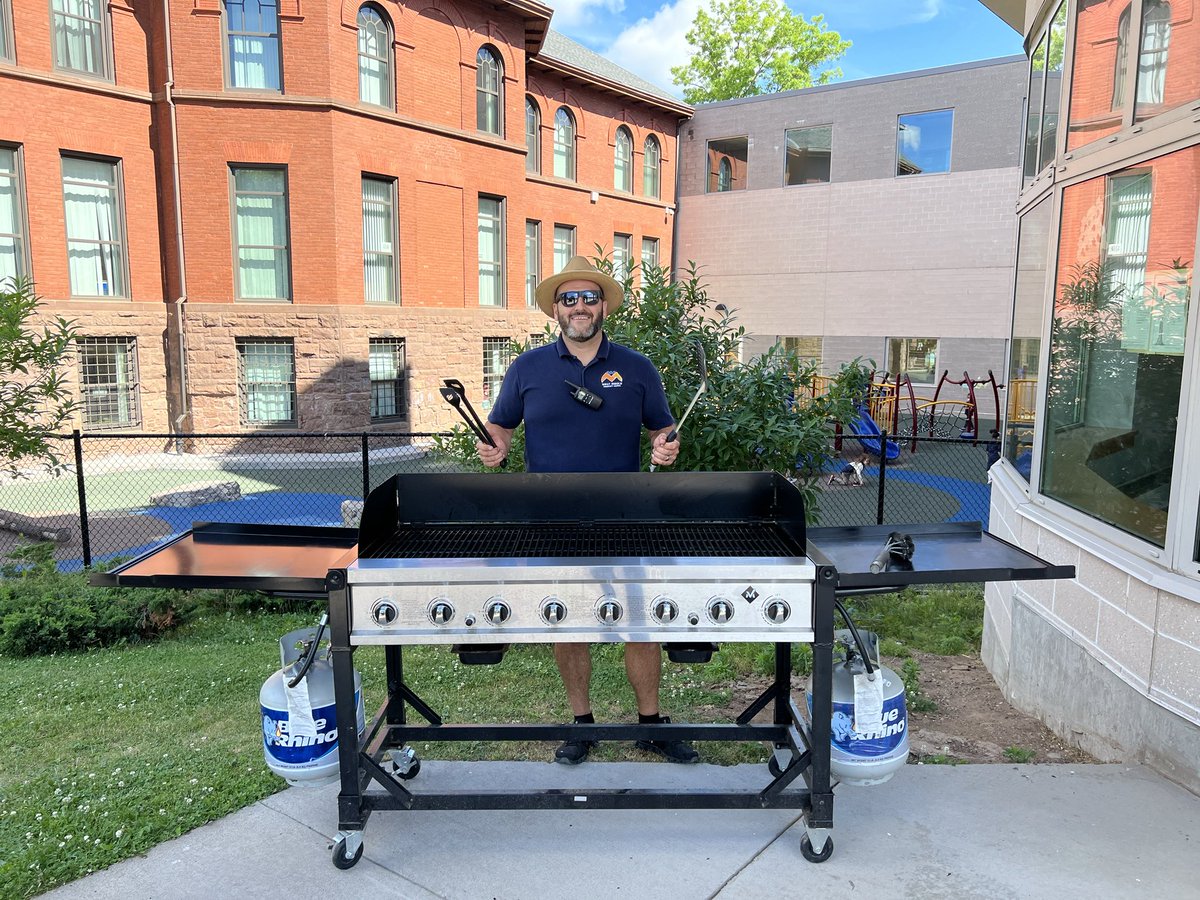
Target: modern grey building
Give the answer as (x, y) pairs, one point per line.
(869, 218)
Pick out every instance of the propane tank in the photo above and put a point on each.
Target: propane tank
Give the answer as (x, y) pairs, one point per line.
(864, 753)
(299, 723)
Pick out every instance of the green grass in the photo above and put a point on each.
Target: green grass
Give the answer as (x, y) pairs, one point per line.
(1019, 754)
(945, 619)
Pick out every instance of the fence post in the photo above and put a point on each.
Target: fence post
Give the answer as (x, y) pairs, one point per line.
(883, 439)
(366, 466)
(84, 535)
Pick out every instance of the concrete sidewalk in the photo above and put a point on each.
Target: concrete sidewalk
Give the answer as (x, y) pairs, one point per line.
(1100, 831)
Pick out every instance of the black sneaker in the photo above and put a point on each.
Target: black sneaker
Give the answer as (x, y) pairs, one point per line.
(674, 751)
(572, 753)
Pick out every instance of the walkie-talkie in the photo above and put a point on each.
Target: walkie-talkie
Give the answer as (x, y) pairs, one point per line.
(584, 396)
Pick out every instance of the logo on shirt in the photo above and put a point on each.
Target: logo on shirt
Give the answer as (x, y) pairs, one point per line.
(611, 379)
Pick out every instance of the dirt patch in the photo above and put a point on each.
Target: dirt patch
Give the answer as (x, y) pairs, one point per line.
(973, 722)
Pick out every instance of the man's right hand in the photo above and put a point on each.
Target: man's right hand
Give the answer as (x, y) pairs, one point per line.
(492, 456)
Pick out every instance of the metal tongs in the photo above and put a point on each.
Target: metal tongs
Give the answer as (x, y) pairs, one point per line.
(703, 360)
(455, 394)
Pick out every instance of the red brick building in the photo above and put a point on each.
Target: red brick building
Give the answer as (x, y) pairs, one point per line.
(304, 216)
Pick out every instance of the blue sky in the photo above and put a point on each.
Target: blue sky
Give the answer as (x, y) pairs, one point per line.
(647, 36)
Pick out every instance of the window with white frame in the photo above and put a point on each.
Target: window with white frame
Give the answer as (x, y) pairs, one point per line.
(564, 144)
(6, 36)
(267, 381)
(533, 137)
(622, 251)
(651, 167)
(252, 47)
(491, 251)
(386, 366)
(533, 261)
(564, 246)
(95, 227)
(14, 263)
(489, 97)
(260, 233)
(380, 282)
(649, 252)
(108, 382)
(374, 57)
(81, 40)
(497, 354)
(623, 161)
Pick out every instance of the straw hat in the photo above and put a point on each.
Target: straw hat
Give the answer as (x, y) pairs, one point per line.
(579, 269)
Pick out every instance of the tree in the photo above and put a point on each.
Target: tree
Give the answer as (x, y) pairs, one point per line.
(748, 47)
(755, 416)
(34, 401)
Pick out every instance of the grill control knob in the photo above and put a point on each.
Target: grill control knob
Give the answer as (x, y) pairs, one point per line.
(441, 612)
(384, 612)
(553, 611)
(497, 611)
(609, 611)
(665, 611)
(720, 610)
(778, 610)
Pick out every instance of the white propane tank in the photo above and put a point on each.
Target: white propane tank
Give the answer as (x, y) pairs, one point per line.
(864, 754)
(299, 724)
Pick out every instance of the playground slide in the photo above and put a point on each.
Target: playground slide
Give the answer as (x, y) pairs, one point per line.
(866, 425)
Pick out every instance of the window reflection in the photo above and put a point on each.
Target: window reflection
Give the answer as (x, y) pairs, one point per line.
(1033, 127)
(727, 164)
(923, 142)
(1054, 68)
(1123, 285)
(1096, 101)
(1024, 366)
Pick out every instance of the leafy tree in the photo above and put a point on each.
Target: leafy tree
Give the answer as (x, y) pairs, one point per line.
(748, 47)
(34, 401)
(755, 416)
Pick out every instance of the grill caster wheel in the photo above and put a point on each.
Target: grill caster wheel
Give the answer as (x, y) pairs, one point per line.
(806, 850)
(773, 765)
(341, 860)
(412, 772)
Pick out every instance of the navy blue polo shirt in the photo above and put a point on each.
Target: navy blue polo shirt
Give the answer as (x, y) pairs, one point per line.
(564, 435)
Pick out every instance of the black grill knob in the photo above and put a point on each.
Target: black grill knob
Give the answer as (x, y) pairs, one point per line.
(609, 611)
(720, 610)
(498, 611)
(441, 612)
(553, 611)
(778, 611)
(665, 610)
(384, 612)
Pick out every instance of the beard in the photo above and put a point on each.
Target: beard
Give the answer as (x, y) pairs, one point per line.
(582, 331)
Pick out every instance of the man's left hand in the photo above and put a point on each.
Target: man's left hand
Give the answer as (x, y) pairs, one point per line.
(663, 453)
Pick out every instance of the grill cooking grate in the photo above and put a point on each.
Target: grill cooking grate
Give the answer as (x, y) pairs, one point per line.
(566, 539)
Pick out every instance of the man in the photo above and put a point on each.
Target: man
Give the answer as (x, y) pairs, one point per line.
(598, 430)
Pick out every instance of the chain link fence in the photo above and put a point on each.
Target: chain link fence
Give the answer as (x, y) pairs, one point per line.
(117, 496)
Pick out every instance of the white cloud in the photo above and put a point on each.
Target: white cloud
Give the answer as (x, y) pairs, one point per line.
(651, 46)
(570, 14)
(880, 15)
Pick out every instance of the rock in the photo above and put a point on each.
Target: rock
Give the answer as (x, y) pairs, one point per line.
(198, 492)
(352, 512)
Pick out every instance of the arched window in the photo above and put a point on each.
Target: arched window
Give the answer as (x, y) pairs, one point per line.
(1152, 56)
(533, 137)
(489, 97)
(725, 175)
(374, 57)
(623, 161)
(651, 167)
(564, 144)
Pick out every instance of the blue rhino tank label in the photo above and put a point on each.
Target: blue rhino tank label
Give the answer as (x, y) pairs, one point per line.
(870, 739)
(304, 746)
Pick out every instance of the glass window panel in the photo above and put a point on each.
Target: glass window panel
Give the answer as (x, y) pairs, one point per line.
(95, 239)
(533, 261)
(650, 252)
(652, 168)
(6, 47)
(806, 347)
(261, 234)
(564, 246)
(1024, 367)
(1161, 86)
(1097, 84)
(387, 374)
(808, 155)
(1123, 287)
(623, 161)
(252, 32)
(923, 142)
(379, 235)
(374, 58)
(564, 144)
(12, 219)
(622, 251)
(79, 36)
(267, 381)
(727, 164)
(533, 137)
(914, 357)
(1054, 68)
(108, 381)
(1033, 124)
(491, 252)
(488, 77)
(497, 354)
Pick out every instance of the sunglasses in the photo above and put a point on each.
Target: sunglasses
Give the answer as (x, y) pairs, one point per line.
(570, 298)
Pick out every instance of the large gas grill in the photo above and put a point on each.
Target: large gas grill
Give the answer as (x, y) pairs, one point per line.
(700, 557)
(481, 562)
